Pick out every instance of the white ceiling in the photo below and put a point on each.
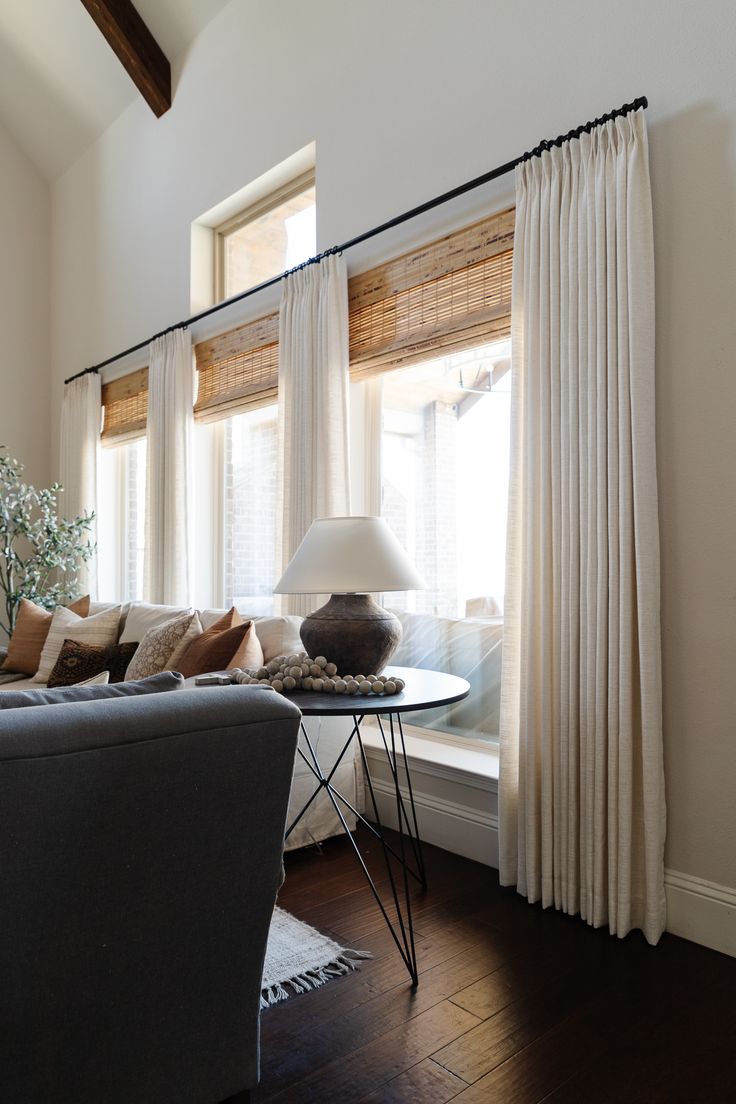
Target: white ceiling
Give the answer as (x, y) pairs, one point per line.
(60, 83)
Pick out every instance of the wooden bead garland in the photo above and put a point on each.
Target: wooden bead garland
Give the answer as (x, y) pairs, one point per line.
(298, 672)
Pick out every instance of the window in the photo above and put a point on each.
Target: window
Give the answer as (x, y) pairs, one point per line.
(445, 447)
(121, 521)
(266, 239)
(250, 512)
(445, 451)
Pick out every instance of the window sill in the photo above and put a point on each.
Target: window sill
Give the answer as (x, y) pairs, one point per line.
(471, 762)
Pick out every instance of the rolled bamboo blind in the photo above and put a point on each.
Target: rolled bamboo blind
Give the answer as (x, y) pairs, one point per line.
(238, 370)
(125, 401)
(447, 295)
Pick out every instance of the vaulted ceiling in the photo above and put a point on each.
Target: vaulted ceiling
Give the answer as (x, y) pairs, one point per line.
(60, 83)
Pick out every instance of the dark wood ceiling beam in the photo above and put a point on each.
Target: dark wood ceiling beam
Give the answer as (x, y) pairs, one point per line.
(137, 49)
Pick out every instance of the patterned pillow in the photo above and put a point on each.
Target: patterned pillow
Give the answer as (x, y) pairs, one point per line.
(157, 647)
(79, 661)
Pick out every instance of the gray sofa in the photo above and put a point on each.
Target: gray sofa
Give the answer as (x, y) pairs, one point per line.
(141, 851)
(277, 634)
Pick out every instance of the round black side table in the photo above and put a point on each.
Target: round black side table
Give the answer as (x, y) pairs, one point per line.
(423, 690)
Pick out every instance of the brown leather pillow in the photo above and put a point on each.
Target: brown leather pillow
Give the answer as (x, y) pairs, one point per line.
(32, 626)
(221, 647)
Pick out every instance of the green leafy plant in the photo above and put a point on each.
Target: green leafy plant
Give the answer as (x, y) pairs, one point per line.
(40, 553)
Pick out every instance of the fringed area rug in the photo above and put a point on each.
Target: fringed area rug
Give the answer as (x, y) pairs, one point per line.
(300, 958)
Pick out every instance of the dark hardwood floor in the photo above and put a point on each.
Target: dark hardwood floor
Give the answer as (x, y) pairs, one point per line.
(515, 1005)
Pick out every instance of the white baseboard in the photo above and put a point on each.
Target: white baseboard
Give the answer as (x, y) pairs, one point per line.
(702, 911)
(462, 829)
(458, 813)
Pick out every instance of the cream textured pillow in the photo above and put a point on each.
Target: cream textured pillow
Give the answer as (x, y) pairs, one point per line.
(66, 625)
(158, 646)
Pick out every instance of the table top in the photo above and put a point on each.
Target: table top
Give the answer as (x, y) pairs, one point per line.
(423, 690)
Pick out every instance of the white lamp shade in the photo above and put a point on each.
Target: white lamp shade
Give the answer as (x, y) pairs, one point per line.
(349, 555)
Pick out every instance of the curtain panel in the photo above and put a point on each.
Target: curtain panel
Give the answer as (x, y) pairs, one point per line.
(313, 406)
(582, 807)
(81, 416)
(167, 557)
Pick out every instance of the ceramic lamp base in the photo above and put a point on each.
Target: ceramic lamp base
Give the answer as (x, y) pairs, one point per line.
(353, 632)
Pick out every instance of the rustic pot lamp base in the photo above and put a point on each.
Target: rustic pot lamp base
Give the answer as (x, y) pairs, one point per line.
(350, 558)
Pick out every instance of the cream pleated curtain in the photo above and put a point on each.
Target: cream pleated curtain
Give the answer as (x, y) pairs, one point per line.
(581, 791)
(313, 406)
(167, 557)
(81, 415)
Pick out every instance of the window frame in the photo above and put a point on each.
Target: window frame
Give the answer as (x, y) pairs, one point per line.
(249, 214)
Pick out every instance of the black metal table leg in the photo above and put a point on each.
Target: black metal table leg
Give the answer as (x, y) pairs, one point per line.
(402, 929)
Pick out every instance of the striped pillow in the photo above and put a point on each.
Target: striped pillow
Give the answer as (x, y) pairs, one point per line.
(102, 628)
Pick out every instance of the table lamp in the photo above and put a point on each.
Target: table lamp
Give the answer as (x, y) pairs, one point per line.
(348, 558)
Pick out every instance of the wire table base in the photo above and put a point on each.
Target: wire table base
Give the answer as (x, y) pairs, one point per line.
(404, 861)
(409, 854)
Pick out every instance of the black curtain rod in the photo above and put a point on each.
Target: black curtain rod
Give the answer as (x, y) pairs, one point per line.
(486, 178)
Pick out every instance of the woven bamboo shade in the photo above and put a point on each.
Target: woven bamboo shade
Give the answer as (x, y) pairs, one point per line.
(451, 293)
(126, 408)
(238, 370)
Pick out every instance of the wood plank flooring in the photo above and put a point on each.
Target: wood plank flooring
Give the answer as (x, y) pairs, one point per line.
(515, 1005)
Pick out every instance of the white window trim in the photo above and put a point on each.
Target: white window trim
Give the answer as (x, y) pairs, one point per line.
(250, 214)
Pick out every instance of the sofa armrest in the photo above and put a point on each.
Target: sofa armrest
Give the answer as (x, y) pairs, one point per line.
(141, 844)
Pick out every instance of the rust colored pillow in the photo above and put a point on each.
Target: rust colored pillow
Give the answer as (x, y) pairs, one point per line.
(221, 647)
(250, 652)
(32, 626)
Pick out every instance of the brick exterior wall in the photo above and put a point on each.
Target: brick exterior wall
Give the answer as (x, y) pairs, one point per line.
(426, 526)
(250, 498)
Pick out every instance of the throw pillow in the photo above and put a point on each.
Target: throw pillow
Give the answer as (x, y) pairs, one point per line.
(97, 680)
(216, 648)
(19, 699)
(32, 626)
(78, 662)
(194, 631)
(118, 659)
(250, 652)
(101, 628)
(157, 647)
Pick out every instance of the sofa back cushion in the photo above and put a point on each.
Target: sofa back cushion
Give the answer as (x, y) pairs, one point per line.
(157, 684)
(278, 635)
(144, 616)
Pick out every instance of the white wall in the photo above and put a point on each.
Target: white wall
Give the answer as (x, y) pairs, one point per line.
(24, 312)
(405, 98)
